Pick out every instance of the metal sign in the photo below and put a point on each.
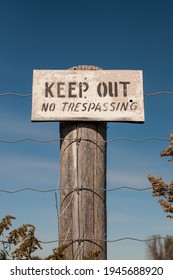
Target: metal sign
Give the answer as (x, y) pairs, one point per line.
(86, 95)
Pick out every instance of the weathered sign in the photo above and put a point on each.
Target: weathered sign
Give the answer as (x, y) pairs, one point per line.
(75, 95)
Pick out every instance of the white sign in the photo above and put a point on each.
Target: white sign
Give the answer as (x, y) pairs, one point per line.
(87, 95)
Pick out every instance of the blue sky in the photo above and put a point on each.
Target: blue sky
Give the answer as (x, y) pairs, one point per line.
(132, 35)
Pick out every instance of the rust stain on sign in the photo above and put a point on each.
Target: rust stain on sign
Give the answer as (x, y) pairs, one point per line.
(74, 95)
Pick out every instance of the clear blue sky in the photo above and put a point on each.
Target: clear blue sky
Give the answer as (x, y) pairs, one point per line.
(132, 35)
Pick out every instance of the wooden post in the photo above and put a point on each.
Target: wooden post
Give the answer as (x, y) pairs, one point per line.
(83, 182)
(82, 220)
(82, 223)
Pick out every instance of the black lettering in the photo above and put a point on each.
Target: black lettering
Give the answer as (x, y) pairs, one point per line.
(67, 271)
(71, 88)
(17, 271)
(98, 107)
(124, 106)
(56, 272)
(81, 89)
(102, 89)
(45, 107)
(112, 92)
(48, 89)
(46, 271)
(60, 87)
(133, 106)
(64, 103)
(112, 106)
(12, 272)
(91, 106)
(52, 270)
(71, 107)
(84, 105)
(105, 107)
(76, 109)
(118, 106)
(124, 87)
(52, 107)
(48, 107)
(37, 272)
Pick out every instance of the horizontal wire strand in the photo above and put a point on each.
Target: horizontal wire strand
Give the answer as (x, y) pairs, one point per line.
(157, 93)
(137, 140)
(30, 94)
(82, 139)
(74, 189)
(28, 189)
(128, 238)
(107, 240)
(15, 94)
(29, 139)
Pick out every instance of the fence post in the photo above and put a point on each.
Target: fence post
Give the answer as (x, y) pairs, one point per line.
(82, 221)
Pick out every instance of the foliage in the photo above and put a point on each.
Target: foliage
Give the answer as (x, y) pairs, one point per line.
(160, 249)
(160, 188)
(29, 243)
(169, 150)
(24, 239)
(5, 224)
(58, 254)
(93, 255)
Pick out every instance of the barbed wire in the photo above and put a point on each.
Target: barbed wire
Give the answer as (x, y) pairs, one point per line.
(82, 139)
(30, 94)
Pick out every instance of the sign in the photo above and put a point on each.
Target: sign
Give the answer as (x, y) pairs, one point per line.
(87, 95)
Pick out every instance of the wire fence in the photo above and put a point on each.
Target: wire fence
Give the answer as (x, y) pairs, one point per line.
(110, 241)
(81, 139)
(105, 240)
(77, 189)
(30, 94)
(73, 189)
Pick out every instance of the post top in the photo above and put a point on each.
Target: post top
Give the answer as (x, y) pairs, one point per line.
(85, 67)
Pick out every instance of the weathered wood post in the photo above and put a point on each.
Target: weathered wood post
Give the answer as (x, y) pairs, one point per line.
(84, 101)
(83, 183)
